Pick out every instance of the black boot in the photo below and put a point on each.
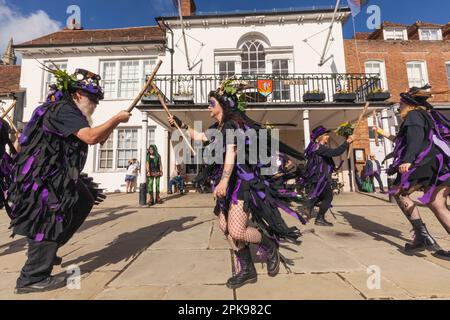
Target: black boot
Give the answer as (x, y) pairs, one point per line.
(320, 221)
(51, 283)
(57, 261)
(422, 239)
(151, 201)
(247, 274)
(273, 256)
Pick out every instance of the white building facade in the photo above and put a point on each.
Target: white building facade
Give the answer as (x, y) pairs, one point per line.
(122, 57)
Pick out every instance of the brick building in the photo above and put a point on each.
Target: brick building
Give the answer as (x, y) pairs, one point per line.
(403, 56)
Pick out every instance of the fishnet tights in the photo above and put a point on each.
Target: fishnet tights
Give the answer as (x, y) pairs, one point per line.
(236, 228)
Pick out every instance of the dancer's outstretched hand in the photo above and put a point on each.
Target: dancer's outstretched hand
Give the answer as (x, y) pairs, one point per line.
(221, 190)
(404, 168)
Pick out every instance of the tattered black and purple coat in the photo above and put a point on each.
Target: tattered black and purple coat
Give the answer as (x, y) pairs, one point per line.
(262, 196)
(6, 163)
(424, 141)
(47, 175)
(319, 169)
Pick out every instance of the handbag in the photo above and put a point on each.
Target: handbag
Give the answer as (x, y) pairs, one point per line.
(367, 186)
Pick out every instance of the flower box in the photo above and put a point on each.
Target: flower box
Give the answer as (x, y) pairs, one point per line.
(344, 97)
(314, 97)
(150, 99)
(378, 96)
(183, 99)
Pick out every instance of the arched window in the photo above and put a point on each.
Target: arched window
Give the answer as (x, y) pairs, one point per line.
(253, 58)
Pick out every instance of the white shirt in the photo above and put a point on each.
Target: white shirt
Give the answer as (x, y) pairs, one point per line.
(132, 169)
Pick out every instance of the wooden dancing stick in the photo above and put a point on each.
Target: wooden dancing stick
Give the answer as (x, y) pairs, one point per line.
(12, 106)
(366, 107)
(11, 122)
(163, 103)
(145, 87)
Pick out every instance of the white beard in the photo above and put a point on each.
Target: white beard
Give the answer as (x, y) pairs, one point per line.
(87, 112)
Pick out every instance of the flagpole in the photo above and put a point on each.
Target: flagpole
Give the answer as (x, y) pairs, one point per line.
(322, 59)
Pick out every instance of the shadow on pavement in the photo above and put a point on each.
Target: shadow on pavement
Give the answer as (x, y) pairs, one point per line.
(130, 245)
(20, 244)
(375, 230)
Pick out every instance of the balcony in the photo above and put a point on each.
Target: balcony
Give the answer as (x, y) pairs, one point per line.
(288, 89)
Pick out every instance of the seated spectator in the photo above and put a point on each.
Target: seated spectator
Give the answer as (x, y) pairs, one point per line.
(176, 179)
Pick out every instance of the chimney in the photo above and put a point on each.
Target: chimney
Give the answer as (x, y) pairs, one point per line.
(188, 8)
(9, 57)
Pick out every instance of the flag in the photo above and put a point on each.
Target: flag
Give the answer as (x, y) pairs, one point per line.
(355, 6)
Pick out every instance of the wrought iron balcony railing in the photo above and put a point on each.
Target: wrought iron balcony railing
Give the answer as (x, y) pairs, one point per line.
(287, 88)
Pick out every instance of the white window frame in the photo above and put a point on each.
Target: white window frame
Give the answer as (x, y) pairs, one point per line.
(424, 30)
(115, 135)
(423, 64)
(141, 72)
(264, 48)
(282, 85)
(116, 151)
(99, 168)
(396, 32)
(227, 62)
(384, 82)
(45, 82)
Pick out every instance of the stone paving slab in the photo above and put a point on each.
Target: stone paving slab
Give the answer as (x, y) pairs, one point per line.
(387, 289)
(315, 255)
(133, 293)
(176, 267)
(419, 277)
(299, 287)
(199, 292)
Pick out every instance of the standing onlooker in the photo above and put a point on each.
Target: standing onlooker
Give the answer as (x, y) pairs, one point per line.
(154, 173)
(131, 176)
(373, 170)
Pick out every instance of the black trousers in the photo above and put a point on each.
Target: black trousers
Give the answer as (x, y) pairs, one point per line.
(325, 199)
(380, 183)
(41, 255)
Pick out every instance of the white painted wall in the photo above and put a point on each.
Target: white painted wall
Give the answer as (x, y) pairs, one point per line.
(303, 58)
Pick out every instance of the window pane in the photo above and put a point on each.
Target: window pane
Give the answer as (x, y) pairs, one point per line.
(106, 154)
(126, 146)
(129, 79)
(253, 58)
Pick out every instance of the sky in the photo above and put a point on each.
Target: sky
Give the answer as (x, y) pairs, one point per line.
(28, 19)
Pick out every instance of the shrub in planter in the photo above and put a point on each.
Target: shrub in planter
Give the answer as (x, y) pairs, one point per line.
(150, 97)
(344, 96)
(314, 96)
(378, 95)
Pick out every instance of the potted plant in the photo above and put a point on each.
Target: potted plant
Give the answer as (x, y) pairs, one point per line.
(344, 96)
(314, 96)
(150, 96)
(378, 94)
(183, 97)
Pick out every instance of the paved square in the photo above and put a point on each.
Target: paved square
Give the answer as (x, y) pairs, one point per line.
(176, 251)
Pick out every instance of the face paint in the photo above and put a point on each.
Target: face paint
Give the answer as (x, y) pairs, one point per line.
(212, 104)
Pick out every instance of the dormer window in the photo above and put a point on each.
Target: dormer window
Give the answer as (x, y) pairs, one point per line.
(430, 34)
(395, 34)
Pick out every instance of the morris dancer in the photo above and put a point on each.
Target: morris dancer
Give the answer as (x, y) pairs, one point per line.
(49, 197)
(241, 189)
(421, 162)
(317, 179)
